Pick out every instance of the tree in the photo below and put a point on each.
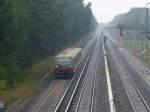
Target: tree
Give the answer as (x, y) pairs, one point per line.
(39, 28)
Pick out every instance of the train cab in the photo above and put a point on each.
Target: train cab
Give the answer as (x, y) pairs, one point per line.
(66, 62)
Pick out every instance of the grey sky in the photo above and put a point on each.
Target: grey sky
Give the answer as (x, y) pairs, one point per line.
(105, 10)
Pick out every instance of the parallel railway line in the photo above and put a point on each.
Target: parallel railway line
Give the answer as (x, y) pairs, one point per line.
(43, 104)
(52, 95)
(86, 100)
(87, 91)
(73, 94)
(80, 92)
(138, 103)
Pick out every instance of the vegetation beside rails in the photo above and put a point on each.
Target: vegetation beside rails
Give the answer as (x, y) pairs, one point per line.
(30, 84)
(140, 49)
(36, 29)
(32, 81)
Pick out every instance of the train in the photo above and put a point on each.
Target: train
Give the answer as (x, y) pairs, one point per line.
(66, 62)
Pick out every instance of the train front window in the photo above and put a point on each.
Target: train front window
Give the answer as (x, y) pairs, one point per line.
(63, 62)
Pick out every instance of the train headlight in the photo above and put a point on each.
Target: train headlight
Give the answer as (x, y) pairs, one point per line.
(71, 66)
(56, 66)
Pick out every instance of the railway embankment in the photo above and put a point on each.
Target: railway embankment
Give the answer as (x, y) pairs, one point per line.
(39, 79)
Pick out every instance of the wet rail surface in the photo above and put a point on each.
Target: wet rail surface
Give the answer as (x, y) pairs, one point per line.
(136, 98)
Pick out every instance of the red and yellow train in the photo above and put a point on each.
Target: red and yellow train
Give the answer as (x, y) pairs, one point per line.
(66, 62)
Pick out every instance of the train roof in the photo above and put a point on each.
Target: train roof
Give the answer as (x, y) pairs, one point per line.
(70, 52)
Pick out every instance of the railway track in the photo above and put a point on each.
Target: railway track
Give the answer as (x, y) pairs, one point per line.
(71, 98)
(87, 96)
(52, 97)
(83, 97)
(138, 103)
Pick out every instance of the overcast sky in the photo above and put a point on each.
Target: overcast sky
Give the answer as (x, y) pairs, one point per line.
(105, 10)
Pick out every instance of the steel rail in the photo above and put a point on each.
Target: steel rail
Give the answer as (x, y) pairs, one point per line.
(81, 93)
(143, 102)
(84, 64)
(36, 107)
(76, 109)
(92, 95)
(75, 89)
(138, 91)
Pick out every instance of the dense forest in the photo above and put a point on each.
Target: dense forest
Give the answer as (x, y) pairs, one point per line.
(136, 16)
(34, 29)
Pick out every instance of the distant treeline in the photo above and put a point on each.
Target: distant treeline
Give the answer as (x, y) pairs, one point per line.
(34, 29)
(136, 16)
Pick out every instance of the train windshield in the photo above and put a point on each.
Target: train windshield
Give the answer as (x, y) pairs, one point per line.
(63, 62)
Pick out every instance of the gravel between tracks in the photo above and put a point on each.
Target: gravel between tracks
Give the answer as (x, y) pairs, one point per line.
(137, 69)
(122, 102)
(139, 73)
(53, 96)
(38, 98)
(101, 103)
(139, 66)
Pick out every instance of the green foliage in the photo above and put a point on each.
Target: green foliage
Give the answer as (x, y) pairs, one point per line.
(55, 24)
(14, 28)
(3, 73)
(3, 84)
(34, 29)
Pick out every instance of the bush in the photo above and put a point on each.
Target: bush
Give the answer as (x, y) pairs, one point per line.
(3, 84)
(3, 73)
